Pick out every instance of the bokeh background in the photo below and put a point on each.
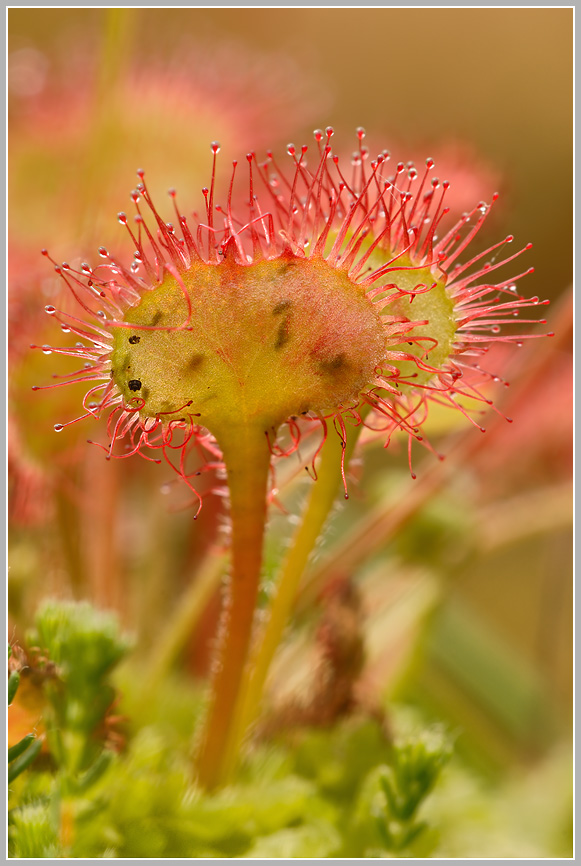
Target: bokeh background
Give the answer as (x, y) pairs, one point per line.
(465, 574)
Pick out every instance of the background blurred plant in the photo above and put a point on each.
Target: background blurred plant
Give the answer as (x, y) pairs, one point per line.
(24, 751)
(72, 649)
(461, 578)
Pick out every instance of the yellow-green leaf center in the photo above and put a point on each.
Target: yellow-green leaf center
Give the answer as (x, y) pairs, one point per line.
(250, 345)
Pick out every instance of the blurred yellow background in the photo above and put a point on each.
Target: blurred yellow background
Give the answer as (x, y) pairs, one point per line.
(500, 79)
(495, 84)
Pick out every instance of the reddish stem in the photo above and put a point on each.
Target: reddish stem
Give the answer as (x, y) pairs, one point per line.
(247, 461)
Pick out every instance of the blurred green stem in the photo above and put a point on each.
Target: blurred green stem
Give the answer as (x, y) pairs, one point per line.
(68, 518)
(182, 623)
(118, 32)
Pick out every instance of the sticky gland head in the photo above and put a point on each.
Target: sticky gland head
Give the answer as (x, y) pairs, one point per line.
(422, 297)
(248, 344)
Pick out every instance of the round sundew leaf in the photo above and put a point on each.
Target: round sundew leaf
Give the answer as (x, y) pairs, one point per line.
(430, 344)
(248, 344)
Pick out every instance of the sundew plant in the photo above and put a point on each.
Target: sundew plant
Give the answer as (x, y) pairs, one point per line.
(309, 300)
